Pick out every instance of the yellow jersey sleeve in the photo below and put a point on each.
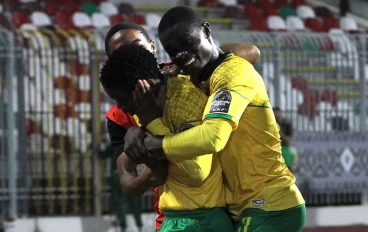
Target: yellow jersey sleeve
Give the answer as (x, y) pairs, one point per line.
(183, 110)
(232, 88)
(157, 127)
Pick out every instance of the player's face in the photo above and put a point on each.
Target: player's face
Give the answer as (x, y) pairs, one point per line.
(130, 36)
(277, 115)
(189, 48)
(124, 100)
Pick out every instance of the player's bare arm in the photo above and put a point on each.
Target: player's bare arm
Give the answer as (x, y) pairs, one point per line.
(134, 184)
(248, 52)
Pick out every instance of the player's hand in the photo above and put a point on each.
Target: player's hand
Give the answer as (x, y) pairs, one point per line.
(134, 145)
(146, 103)
(170, 70)
(157, 174)
(153, 144)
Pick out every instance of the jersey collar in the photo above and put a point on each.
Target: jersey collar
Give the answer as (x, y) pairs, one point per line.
(209, 68)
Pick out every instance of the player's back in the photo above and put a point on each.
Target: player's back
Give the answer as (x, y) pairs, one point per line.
(255, 173)
(195, 183)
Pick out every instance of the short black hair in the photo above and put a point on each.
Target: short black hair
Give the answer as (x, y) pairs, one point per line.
(128, 64)
(123, 26)
(276, 108)
(179, 14)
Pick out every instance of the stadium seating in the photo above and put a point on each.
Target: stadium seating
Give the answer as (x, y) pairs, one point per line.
(89, 8)
(233, 12)
(305, 11)
(82, 20)
(118, 18)
(20, 18)
(64, 21)
(313, 24)
(108, 9)
(52, 7)
(286, 11)
(348, 24)
(294, 23)
(258, 23)
(100, 20)
(276, 23)
(330, 23)
(41, 19)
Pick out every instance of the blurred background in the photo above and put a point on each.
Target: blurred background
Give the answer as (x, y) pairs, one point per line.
(314, 61)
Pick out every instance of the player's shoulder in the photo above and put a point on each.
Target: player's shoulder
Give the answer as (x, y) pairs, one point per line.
(236, 61)
(233, 67)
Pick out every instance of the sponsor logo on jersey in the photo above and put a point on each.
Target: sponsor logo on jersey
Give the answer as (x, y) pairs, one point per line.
(258, 203)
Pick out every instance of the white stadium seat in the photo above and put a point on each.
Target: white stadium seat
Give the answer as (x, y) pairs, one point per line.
(81, 20)
(348, 24)
(276, 23)
(100, 20)
(294, 23)
(40, 19)
(305, 12)
(109, 9)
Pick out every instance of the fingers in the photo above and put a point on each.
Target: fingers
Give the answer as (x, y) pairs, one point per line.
(160, 100)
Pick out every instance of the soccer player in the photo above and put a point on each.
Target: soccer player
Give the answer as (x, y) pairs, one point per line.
(238, 122)
(192, 197)
(119, 121)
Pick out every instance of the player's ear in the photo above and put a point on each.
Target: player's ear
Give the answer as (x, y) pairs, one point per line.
(153, 46)
(206, 29)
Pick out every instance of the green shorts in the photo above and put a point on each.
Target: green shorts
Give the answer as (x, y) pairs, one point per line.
(200, 220)
(257, 220)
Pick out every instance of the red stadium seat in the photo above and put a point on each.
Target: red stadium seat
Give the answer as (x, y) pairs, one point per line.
(115, 19)
(296, 3)
(329, 96)
(313, 24)
(52, 7)
(262, 4)
(71, 7)
(251, 11)
(138, 19)
(64, 21)
(270, 11)
(300, 84)
(20, 18)
(63, 82)
(309, 106)
(78, 69)
(279, 3)
(211, 3)
(330, 23)
(258, 23)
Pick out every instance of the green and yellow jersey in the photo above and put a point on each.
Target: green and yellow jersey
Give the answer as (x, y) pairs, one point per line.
(239, 122)
(195, 183)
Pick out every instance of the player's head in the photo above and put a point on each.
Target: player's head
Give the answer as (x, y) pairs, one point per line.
(187, 39)
(127, 33)
(277, 112)
(125, 66)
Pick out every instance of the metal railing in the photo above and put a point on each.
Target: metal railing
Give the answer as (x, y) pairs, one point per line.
(52, 113)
